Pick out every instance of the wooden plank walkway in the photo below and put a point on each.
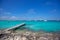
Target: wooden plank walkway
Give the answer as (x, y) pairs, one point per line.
(20, 25)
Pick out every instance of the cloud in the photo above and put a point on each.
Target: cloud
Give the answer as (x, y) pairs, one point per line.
(4, 17)
(53, 11)
(29, 14)
(1, 9)
(50, 3)
(4, 12)
(13, 18)
(31, 11)
(8, 13)
(8, 18)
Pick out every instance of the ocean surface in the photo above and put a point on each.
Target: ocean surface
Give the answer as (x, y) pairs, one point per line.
(32, 25)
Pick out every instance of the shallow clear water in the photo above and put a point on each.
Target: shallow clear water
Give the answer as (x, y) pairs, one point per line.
(33, 25)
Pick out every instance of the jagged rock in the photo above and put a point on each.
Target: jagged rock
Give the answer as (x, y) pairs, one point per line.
(28, 35)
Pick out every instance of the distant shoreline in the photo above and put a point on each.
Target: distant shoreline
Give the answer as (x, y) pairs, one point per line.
(29, 20)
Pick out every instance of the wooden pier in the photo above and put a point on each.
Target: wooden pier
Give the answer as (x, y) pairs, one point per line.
(17, 26)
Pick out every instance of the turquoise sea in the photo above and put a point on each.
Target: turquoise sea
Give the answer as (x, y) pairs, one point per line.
(32, 25)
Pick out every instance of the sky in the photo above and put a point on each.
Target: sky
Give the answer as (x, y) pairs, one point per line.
(29, 9)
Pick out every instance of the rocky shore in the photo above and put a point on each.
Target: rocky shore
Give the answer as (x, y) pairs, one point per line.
(28, 35)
